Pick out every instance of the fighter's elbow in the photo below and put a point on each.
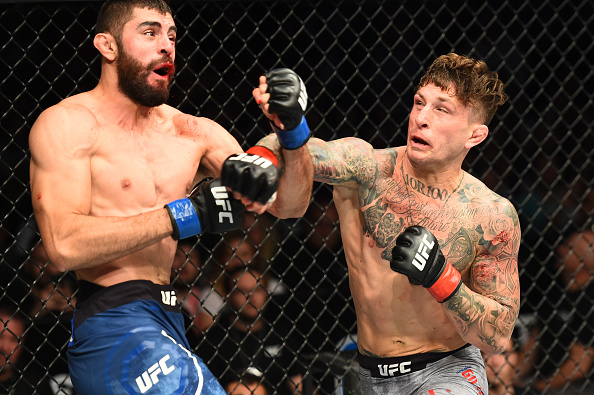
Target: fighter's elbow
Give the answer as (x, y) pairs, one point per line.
(295, 213)
(286, 210)
(287, 213)
(61, 256)
(496, 347)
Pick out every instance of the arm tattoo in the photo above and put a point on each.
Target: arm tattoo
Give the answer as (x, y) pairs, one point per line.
(488, 305)
(342, 161)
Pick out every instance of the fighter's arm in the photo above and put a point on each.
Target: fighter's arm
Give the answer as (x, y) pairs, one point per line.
(295, 181)
(485, 310)
(348, 162)
(282, 96)
(219, 146)
(61, 143)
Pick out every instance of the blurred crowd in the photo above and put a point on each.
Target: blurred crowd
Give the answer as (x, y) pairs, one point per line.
(264, 304)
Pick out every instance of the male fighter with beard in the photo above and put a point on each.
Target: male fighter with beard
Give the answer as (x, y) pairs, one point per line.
(432, 253)
(112, 171)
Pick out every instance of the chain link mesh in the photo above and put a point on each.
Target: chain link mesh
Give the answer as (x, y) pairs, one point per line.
(360, 63)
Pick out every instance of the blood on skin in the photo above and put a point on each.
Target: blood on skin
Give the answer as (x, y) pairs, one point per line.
(502, 237)
(39, 196)
(485, 273)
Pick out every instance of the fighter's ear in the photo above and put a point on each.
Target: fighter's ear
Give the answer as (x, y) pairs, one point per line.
(106, 45)
(478, 134)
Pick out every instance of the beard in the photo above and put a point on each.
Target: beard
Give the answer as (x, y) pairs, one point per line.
(133, 81)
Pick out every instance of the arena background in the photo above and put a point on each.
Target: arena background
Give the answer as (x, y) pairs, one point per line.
(360, 62)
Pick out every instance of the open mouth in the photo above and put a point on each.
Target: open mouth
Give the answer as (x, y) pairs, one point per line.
(163, 70)
(418, 140)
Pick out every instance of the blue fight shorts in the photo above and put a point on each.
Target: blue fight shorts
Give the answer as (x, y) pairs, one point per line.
(129, 339)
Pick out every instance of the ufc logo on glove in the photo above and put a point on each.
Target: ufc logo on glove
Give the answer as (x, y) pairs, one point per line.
(422, 255)
(255, 159)
(222, 199)
(208, 208)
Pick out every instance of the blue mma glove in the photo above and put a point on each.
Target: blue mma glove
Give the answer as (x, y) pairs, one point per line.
(208, 208)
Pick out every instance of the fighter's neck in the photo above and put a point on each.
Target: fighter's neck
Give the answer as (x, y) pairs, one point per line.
(442, 178)
(121, 109)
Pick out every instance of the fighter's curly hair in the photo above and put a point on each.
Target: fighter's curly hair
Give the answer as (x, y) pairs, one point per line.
(114, 14)
(471, 81)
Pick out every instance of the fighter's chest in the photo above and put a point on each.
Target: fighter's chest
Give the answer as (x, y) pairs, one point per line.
(393, 204)
(394, 209)
(144, 169)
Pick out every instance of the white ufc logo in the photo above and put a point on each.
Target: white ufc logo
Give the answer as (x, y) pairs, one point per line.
(391, 370)
(422, 254)
(150, 377)
(222, 199)
(169, 298)
(302, 94)
(255, 159)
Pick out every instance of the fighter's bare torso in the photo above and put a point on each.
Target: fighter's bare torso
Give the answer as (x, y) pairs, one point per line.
(393, 317)
(135, 169)
(138, 164)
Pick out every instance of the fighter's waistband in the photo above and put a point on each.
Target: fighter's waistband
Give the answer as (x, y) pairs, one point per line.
(94, 299)
(399, 366)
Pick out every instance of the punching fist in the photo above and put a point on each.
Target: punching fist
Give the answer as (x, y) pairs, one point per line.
(208, 208)
(253, 174)
(417, 255)
(288, 100)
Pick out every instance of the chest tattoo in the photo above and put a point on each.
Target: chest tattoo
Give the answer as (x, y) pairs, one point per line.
(427, 190)
(395, 209)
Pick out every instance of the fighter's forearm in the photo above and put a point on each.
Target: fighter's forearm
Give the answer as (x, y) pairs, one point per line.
(296, 181)
(86, 242)
(271, 142)
(480, 320)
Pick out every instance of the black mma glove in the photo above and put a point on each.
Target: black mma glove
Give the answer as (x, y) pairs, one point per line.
(288, 100)
(209, 208)
(254, 174)
(417, 255)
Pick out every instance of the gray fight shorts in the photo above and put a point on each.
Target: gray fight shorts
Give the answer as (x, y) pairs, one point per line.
(457, 372)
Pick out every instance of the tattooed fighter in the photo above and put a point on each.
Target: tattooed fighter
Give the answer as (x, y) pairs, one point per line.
(432, 252)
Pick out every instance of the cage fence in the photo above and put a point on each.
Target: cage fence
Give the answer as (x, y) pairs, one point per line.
(361, 62)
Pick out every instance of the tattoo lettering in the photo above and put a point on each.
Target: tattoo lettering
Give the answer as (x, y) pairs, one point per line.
(419, 186)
